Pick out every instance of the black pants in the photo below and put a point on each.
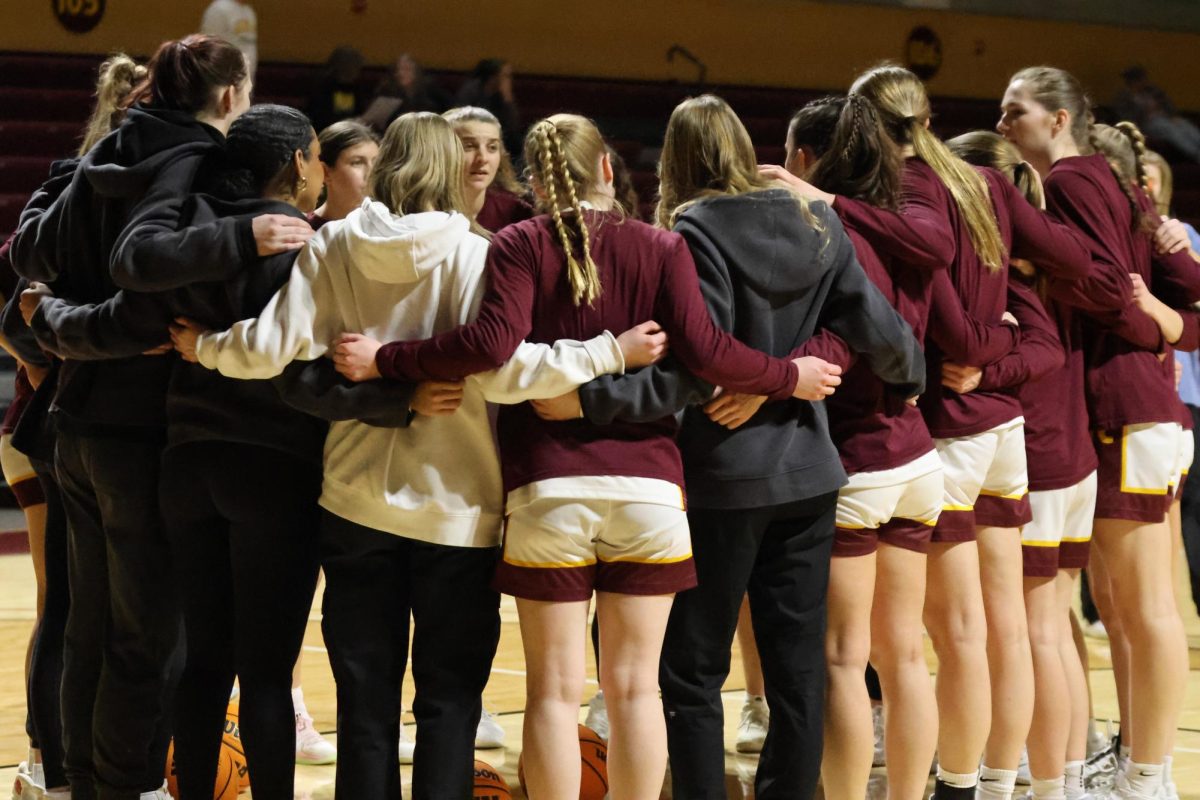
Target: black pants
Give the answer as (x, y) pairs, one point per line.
(122, 628)
(46, 664)
(780, 556)
(243, 523)
(373, 580)
(1189, 509)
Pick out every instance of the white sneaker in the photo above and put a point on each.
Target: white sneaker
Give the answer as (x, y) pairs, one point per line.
(1024, 776)
(1095, 630)
(752, 730)
(158, 794)
(407, 746)
(489, 735)
(1098, 742)
(1100, 772)
(880, 758)
(1122, 791)
(1169, 791)
(26, 785)
(312, 748)
(597, 716)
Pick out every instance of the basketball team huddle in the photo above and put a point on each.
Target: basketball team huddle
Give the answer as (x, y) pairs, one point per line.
(894, 386)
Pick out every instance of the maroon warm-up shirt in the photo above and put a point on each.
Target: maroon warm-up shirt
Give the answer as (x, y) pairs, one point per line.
(501, 209)
(1026, 232)
(645, 274)
(1127, 380)
(873, 428)
(1047, 372)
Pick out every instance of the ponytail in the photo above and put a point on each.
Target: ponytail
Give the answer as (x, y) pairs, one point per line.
(860, 159)
(970, 193)
(899, 97)
(989, 149)
(184, 74)
(554, 174)
(1137, 141)
(117, 77)
(1123, 148)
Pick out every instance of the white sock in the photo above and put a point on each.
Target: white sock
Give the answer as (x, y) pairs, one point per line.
(1143, 780)
(995, 784)
(750, 698)
(38, 772)
(298, 706)
(1167, 760)
(1126, 751)
(1073, 784)
(956, 780)
(1049, 790)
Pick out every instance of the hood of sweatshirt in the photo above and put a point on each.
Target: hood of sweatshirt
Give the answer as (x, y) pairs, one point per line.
(400, 249)
(124, 163)
(762, 237)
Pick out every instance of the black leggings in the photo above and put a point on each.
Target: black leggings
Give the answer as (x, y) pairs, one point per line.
(242, 522)
(122, 631)
(45, 668)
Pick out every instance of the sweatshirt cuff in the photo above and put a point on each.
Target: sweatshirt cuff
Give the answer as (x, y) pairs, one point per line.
(247, 248)
(388, 360)
(40, 325)
(785, 392)
(606, 355)
(206, 351)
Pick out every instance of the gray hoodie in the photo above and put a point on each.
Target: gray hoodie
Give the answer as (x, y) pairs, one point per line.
(772, 279)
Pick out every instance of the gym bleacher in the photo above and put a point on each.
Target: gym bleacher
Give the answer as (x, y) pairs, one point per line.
(45, 100)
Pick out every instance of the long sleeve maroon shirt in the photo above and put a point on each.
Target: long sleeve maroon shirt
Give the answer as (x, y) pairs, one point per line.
(645, 274)
(1127, 380)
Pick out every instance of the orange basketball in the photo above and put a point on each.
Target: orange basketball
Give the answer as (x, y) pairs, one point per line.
(593, 767)
(226, 787)
(489, 785)
(593, 752)
(232, 741)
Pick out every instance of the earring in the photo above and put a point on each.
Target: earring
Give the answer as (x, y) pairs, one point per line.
(303, 182)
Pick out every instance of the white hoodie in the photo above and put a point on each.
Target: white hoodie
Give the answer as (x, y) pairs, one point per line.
(399, 278)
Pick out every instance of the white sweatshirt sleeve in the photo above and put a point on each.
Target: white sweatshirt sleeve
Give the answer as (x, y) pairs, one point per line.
(534, 371)
(538, 371)
(299, 323)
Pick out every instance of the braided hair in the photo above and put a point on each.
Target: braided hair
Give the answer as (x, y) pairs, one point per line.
(562, 152)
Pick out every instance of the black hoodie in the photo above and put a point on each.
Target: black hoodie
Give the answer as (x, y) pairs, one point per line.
(772, 280)
(202, 404)
(151, 158)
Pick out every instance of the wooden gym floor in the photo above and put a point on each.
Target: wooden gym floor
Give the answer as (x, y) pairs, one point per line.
(505, 694)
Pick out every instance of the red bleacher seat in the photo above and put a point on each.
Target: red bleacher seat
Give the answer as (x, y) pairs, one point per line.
(10, 210)
(49, 105)
(53, 139)
(23, 174)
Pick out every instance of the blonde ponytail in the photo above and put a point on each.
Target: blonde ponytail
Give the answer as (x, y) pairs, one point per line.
(970, 192)
(118, 76)
(555, 164)
(899, 97)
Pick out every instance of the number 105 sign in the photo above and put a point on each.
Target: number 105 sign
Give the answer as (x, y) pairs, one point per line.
(78, 16)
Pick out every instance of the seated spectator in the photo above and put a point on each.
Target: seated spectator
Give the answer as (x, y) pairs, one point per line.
(339, 94)
(406, 88)
(491, 86)
(1148, 106)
